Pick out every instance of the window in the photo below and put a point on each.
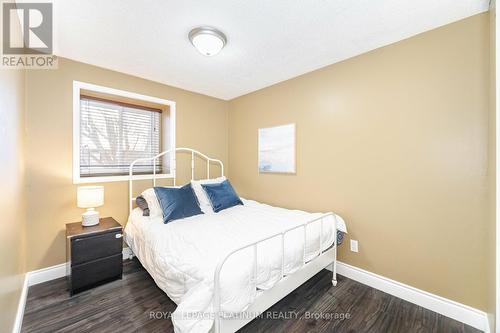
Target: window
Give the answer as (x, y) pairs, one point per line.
(113, 135)
(113, 128)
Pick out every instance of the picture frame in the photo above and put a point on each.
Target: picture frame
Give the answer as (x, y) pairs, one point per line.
(276, 149)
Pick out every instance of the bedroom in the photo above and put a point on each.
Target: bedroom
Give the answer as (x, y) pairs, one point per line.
(377, 118)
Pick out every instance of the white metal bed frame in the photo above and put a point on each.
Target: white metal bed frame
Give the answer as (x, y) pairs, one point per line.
(287, 283)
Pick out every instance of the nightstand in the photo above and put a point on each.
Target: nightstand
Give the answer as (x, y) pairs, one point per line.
(93, 254)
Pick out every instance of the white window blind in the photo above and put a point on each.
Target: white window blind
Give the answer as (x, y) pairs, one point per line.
(113, 134)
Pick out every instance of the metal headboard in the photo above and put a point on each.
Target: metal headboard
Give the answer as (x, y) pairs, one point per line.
(154, 176)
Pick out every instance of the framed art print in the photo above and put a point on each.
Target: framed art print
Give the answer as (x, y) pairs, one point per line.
(277, 149)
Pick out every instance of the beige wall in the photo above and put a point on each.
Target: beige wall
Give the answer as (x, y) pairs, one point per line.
(492, 171)
(396, 142)
(12, 196)
(51, 195)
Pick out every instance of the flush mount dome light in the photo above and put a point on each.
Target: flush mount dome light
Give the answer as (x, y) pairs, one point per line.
(207, 40)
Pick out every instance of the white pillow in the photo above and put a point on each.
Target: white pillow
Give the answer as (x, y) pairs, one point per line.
(203, 200)
(153, 203)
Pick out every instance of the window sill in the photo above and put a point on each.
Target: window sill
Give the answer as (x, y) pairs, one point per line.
(107, 179)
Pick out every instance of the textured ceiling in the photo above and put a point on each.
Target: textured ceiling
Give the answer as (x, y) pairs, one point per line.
(268, 41)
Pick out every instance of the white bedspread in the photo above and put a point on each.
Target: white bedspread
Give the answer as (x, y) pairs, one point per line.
(182, 255)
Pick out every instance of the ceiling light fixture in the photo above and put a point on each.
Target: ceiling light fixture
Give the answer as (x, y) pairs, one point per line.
(207, 40)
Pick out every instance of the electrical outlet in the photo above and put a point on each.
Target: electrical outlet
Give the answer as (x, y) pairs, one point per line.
(354, 245)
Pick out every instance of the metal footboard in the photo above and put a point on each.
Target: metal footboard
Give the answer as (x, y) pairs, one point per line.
(218, 315)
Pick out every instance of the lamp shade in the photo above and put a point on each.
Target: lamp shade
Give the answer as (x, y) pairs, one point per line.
(90, 196)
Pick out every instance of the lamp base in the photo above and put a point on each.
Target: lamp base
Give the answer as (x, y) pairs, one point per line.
(90, 218)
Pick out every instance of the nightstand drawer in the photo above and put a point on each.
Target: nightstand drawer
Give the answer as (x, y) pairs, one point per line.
(93, 247)
(96, 271)
(95, 254)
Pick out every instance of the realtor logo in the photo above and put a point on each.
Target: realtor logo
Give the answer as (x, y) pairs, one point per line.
(27, 38)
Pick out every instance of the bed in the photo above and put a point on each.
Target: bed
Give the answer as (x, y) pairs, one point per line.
(224, 269)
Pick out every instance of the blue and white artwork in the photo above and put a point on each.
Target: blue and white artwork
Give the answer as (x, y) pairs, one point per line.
(277, 149)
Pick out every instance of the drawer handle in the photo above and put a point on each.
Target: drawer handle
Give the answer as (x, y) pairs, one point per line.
(118, 236)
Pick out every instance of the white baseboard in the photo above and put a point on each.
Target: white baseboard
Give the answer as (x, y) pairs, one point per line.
(491, 322)
(43, 275)
(46, 274)
(21, 305)
(460, 312)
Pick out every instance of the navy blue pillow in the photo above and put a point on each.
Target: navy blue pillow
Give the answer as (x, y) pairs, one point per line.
(221, 195)
(177, 203)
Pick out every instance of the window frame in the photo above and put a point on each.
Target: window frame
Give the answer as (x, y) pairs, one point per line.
(167, 127)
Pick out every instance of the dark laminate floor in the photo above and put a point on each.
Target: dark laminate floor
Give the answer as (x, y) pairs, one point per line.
(125, 306)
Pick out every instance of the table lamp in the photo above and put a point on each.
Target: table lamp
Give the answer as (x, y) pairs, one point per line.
(90, 197)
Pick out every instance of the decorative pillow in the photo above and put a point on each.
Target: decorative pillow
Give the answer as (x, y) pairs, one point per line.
(142, 204)
(203, 200)
(222, 195)
(177, 203)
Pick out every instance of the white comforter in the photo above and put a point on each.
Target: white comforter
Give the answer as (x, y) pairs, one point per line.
(182, 255)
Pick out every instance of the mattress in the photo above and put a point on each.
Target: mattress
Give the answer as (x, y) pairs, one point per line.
(182, 255)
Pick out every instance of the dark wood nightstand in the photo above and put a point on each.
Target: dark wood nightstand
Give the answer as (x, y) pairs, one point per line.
(94, 254)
